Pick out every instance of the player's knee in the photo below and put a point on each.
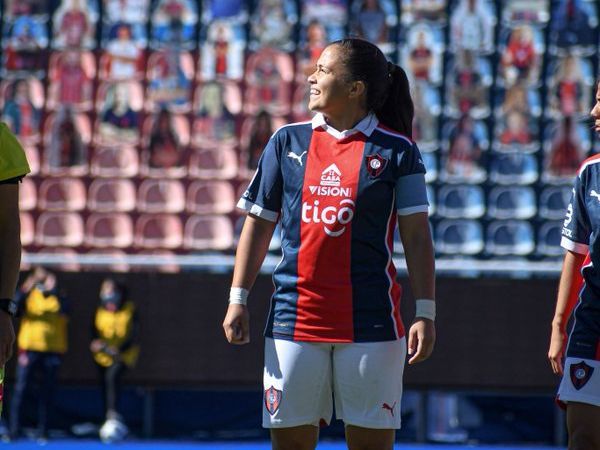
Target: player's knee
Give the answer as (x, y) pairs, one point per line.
(584, 439)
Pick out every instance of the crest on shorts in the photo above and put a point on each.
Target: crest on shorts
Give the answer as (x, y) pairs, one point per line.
(375, 165)
(580, 374)
(272, 399)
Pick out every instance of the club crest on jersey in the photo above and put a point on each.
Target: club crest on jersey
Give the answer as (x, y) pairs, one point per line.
(580, 374)
(375, 165)
(272, 399)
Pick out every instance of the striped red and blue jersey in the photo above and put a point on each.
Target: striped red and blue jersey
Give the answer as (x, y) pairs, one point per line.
(337, 195)
(580, 234)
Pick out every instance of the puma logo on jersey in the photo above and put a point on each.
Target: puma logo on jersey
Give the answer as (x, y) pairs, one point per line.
(389, 408)
(296, 157)
(593, 193)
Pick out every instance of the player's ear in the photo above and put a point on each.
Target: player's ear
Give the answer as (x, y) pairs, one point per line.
(357, 89)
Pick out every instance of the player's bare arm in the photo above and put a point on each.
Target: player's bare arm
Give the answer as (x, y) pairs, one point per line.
(570, 277)
(418, 249)
(251, 251)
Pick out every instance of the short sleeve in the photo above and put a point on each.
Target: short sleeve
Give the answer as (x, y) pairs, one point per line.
(576, 227)
(411, 193)
(263, 197)
(13, 162)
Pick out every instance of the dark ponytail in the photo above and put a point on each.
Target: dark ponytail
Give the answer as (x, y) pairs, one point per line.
(398, 110)
(388, 92)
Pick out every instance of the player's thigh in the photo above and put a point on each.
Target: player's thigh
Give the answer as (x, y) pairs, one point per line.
(303, 437)
(583, 423)
(367, 379)
(297, 384)
(359, 438)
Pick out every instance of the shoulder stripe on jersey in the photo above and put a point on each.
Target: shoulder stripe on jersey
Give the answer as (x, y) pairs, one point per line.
(576, 247)
(591, 160)
(394, 133)
(290, 125)
(412, 210)
(259, 211)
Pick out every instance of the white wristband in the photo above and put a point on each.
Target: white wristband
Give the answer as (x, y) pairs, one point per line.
(425, 309)
(238, 296)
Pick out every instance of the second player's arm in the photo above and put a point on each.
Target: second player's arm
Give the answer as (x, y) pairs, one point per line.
(570, 282)
(251, 251)
(418, 250)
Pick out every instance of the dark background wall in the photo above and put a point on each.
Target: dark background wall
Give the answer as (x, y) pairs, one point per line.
(492, 333)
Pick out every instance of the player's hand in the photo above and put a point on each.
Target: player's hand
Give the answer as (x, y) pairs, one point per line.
(237, 324)
(557, 349)
(7, 337)
(421, 339)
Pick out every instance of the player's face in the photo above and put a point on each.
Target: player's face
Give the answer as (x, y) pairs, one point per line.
(328, 86)
(595, 113)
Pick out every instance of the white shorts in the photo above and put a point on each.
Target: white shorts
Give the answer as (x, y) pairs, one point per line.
(301, 379)
(580, 382)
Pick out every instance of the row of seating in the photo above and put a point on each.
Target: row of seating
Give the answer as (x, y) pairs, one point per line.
(217, 232)
(119, 230)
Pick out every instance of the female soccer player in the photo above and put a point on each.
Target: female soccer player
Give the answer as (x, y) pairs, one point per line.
(336, 185)
(580, 385)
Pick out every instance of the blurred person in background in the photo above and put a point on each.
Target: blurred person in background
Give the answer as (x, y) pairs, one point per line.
(113, 343)
(42, 342)
(13, 167)
(66, 149)
(260, 133)
(20, 114)
(164, 147)
(578, 359)
(566, 153)
(334, 329)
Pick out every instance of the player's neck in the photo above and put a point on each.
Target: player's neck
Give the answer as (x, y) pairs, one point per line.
(346, 120)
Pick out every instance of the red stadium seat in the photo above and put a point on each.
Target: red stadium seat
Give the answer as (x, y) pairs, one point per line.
(27, 195)
(210, 197)
(67, 257)
(27, 229)
(109, 230)
(62, 194)
(158, 231)
(216, 163)
(111, 195)
(115, 162)
(161, 196)
(55, 229)
(208, 233)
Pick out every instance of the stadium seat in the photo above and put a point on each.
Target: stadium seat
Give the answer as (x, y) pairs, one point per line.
(464, 237)
(109, 230)
(554, 201)
(210, 197)
(549, 236)
(208, 233)
(511, 202)
(510, 237)
(161, 196)
(27, 195)
(27, 229)
(461, 201)
(115, 162)
(216, 163)
(513, 168)
(33, 158)
(54, 229)
(62, 194)
(158, 231)
(430, 161)
(111, 195)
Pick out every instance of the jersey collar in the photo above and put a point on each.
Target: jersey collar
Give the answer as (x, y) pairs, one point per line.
(365, 126)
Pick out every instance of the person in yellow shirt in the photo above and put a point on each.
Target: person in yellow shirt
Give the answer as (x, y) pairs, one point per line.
(114, 346)
(41, 342)
(13, 167)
